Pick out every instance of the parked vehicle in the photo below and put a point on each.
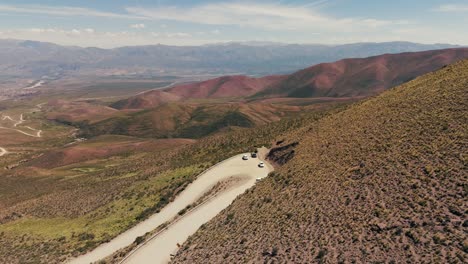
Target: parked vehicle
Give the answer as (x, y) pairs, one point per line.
(261, 165)
(253, 155)
(245, 157)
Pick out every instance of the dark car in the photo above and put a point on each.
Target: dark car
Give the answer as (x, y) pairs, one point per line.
(253, 155)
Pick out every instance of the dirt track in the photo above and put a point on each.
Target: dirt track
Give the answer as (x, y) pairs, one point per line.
(158, 249)
(19, 122)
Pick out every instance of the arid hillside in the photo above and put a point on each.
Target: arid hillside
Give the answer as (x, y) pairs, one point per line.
(70, 111)
(188, 120)
(227, 86)
(361, 77)
(69, 198)
(383, 181)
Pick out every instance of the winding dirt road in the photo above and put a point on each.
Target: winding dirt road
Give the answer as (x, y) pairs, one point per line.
(36, 132)
(160, 247)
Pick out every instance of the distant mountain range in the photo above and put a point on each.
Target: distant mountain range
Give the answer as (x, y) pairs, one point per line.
(32, 59)
(346, 78)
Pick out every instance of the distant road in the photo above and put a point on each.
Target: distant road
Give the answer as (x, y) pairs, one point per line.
(35, 85)
(158, 88)
(159, 249)
(3, 151)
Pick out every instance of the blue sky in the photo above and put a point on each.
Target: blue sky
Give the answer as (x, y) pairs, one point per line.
(111, 23)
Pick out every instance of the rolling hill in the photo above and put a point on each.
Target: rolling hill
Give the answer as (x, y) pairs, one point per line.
(362, 77)
(227, 86)
(187, 120)
(200, 109)
(348, 78)
(383, 181)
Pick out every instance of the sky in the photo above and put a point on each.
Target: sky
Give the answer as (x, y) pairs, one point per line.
(114, 23)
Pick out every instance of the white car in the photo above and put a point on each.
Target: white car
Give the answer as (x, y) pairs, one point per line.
(245, 157)
(261, 165)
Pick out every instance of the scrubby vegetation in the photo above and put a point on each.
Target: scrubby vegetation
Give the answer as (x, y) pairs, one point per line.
(68, 200)
(381, 182)
(186, 120)
(172, 120)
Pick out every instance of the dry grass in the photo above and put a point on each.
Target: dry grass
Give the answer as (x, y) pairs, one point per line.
(384, 181)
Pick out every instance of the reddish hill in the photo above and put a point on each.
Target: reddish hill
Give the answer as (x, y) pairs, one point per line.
(362, 77)
(227, 86)
(146, 100)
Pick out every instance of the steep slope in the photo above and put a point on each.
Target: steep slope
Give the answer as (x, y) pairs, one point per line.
(362, 77)
(383, 181)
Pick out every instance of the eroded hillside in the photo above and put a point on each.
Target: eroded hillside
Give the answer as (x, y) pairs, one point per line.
(383, 181)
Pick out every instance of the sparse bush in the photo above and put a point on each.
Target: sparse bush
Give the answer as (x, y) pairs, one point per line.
(139, 240)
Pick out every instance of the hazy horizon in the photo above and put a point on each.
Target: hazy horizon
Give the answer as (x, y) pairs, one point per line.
(109, 24)
(246, 42)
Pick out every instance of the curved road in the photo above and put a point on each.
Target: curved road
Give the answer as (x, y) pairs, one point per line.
(3, 151)
(19, 122)
(158, 249)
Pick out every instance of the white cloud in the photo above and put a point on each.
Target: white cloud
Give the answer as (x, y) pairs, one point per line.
(64, 11)
(55, 31)
(88, 37)
(246, 21)
(178, 35)
(452, 8)
(138, 26)
(263, 16)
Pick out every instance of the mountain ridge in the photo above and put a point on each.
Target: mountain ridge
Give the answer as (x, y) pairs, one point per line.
(35, 59)
(345, 78)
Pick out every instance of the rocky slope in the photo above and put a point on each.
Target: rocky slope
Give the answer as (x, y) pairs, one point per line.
(382, 181)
